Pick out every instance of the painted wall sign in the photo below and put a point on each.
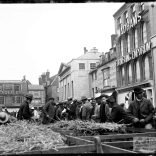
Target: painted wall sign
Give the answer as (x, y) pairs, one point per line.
(134, 54)
(130, 24)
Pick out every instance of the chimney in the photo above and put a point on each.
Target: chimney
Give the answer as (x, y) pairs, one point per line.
(43, 76)
(47, 74)
(40, 81)
(94, 50)
(85, 50)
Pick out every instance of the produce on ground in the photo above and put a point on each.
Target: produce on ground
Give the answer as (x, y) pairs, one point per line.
(84, 128)
(22, 136)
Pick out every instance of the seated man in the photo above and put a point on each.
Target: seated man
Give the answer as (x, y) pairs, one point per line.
(141, 109)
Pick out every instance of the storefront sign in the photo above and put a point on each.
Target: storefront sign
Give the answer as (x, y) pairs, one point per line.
(10, 92)
(130, 24)
(134, 54)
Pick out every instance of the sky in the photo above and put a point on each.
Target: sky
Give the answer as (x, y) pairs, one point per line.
(35, 38)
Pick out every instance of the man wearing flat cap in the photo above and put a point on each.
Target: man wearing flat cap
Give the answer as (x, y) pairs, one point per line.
(118, 114)
(24, 111)
(86, 108)
(141, 109)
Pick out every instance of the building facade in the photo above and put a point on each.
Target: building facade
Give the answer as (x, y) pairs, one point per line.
(12, 93)
(103, 77)
(38, 93)
(74, 76)
(51, 85)
(134, 57)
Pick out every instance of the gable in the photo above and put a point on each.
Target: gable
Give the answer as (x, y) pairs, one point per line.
(63, 66)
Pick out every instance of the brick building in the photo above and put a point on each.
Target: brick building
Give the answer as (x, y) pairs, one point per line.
(12, 93)
(134, 57)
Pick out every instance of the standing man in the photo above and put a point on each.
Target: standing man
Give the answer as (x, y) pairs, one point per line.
(141, 109)
(49, 111)
(86, 108)
(104, 109)
(24, 111)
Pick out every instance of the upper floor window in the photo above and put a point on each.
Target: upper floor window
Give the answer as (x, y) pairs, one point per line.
(1, 87)
(126, 17)
(92, 65)
(129, 73)
(137, 71)
(129, 44)
(123, 75)
(7, 86)
(142, 6)
(133, 39)
(146, 67)
(81, 66)
(17, 87)
(121, 47)
(106, 76)
(1, 99)
(118, 22)
(136, 38)
(133, 11)
(96, 75)
(144, 33)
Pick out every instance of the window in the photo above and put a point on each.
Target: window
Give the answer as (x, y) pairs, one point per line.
(92, 76)
(65, 95)
(106, 77)
(7, 86)
(68, 90)
(133, 11)
(17, 88)
(136, 39)
(129, 73)
(96, 89)
(1, 87)
(129, 44)
(96, 75)
(126, 43)
(146, 67)
(118, 22)
(72, 89)
(1, 99)
(81, 66)
(142, 6)
(18, 99)
(92, 65)
(126, 17)
(121, 47)
(93, 91)
(123, 75)
(137, 71)
(133, 38)
(144, 33)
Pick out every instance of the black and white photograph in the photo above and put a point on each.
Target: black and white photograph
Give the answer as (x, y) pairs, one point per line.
(77, 77)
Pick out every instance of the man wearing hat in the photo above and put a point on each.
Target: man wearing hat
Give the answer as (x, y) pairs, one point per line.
(118, 114)
(86, 108)
(24, 111)
(49, 111)
(59, 112)
(141, 109)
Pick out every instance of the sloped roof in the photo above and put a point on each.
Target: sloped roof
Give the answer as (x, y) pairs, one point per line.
(10, 81)
(89, 55)
(63, 65)
(35, 87)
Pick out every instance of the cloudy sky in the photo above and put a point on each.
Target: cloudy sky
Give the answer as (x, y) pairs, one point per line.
(37, 37)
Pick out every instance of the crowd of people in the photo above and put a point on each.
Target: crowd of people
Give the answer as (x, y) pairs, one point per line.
(102, 108)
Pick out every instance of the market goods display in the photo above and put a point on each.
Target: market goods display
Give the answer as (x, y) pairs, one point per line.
(22, 136)
(83, 128)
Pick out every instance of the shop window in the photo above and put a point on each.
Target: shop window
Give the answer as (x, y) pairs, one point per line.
(146, 67)
(81, 66)
(129, 73)
(1, 99)
(137, 71)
